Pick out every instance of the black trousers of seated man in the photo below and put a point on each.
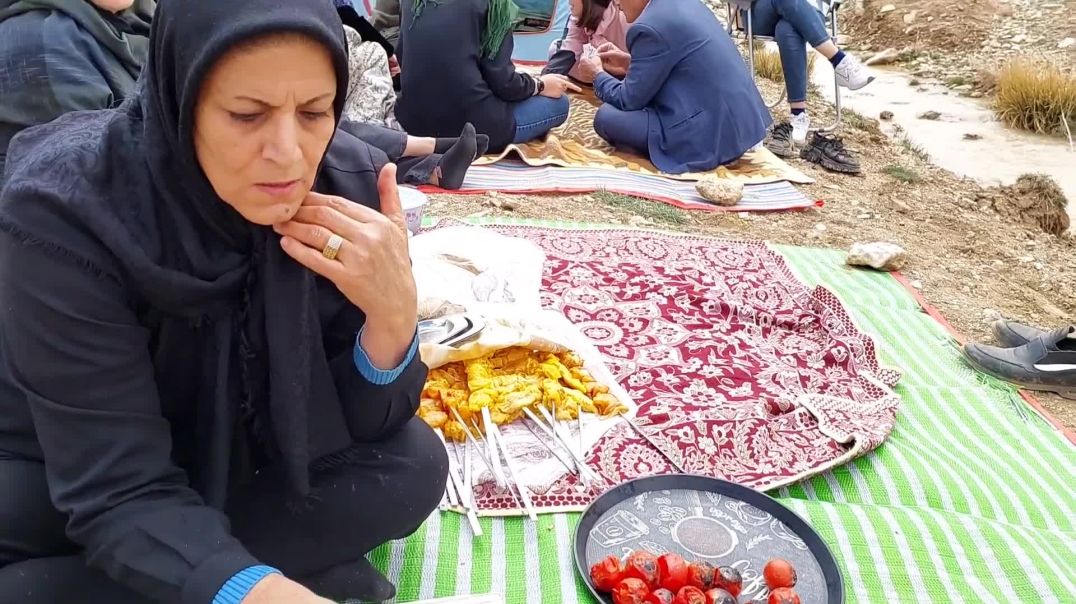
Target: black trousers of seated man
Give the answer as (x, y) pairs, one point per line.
(384, 491)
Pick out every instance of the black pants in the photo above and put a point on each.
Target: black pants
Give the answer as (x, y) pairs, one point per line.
(384, 492)
(410, 170)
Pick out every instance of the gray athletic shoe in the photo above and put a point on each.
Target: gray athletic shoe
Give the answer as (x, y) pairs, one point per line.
(1047, 362)
(1010, 334)
(780, 141)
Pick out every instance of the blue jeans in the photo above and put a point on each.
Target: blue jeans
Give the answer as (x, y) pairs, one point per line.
(627, 130)
(538, 115)
(792, 24)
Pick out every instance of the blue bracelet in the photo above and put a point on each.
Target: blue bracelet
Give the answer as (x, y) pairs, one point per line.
(381, 377)
(235, 589)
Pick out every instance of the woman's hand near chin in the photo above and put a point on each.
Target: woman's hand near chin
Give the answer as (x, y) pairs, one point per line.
(372, 267)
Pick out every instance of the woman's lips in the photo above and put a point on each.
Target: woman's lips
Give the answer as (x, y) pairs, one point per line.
(277, 188)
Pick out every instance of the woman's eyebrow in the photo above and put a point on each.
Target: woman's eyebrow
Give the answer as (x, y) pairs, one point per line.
(265, 104)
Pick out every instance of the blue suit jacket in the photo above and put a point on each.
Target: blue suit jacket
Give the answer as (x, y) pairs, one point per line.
(704, 109)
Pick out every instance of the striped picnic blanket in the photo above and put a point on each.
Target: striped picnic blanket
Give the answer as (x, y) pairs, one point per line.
(517, 177)
(971, 499)
(575, 144)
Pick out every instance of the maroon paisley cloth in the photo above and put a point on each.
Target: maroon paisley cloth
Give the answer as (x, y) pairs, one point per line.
(740, 371)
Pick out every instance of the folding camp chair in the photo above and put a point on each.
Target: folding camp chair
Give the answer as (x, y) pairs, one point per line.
(736, 28)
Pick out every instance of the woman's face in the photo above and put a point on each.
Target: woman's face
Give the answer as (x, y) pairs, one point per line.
(112, 6)
(576, 8)
(262, 123)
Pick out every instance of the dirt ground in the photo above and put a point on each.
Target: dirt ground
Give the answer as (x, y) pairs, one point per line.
(971, 262)
(962, 43)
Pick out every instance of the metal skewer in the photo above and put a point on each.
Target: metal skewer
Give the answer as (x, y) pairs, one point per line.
(558, 434)
(579, 421)
(583, 471)
(567, 465)
(524, 493)
(471, 439)
(450, 485)
(468, 475)
(456, 490)
(491, 445)
(507, 487)
(647, 438)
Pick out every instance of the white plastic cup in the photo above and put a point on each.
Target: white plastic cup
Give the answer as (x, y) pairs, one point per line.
(413, 202)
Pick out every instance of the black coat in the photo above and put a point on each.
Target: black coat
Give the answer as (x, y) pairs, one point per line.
(446, 83)
(155, 348)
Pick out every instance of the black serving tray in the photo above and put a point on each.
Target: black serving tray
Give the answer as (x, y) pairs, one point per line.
(707, 519)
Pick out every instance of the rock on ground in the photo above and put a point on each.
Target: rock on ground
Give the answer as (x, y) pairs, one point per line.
(720, 191)
(885, 57)
(877, 255)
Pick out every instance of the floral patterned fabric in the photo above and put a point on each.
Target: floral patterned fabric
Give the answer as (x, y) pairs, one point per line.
(370, 96)
(739, 371)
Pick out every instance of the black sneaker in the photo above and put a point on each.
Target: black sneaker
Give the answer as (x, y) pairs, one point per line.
(780, 141)
(1047, 362)
(828, 151)
(1010, 334)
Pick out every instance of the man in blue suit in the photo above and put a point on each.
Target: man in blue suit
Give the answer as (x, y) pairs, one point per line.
(686, 101)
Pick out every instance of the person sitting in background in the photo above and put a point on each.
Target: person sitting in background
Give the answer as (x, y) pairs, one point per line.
(441, 162)
(687, 101)
(793, 24)
(386, 19)
(456, 67)
(369, 115)
(594, 24)
(67, 55)
(208, 332)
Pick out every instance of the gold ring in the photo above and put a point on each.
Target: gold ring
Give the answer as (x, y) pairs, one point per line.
(332, 248)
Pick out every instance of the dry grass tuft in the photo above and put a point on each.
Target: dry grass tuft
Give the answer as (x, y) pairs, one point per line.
(768, 63)
(905, 175)
(1036, 95)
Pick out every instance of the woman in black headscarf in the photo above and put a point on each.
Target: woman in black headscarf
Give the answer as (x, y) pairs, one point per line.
(208, 375)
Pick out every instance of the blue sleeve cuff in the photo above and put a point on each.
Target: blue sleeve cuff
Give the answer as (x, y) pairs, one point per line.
(381, 377)
(236, 588)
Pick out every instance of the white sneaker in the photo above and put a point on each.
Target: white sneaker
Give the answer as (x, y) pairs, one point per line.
(852, 74)
(801, 123)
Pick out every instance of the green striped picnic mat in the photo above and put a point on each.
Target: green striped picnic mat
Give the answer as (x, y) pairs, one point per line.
(972, 499)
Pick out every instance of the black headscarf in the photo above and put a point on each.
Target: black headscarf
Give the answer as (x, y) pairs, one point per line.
(135, 203)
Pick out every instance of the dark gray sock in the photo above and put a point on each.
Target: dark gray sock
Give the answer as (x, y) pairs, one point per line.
(458, 158)
(482, 142)
(444, 144)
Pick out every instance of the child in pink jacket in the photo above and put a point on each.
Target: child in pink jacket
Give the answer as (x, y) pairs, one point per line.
(593, 23)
